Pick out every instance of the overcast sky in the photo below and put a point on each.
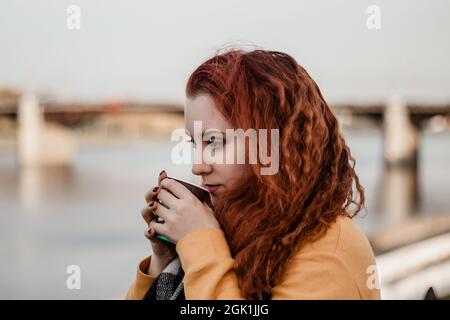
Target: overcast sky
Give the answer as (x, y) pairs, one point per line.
(147, 49)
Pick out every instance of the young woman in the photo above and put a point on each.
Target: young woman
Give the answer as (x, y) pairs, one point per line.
(287, 235)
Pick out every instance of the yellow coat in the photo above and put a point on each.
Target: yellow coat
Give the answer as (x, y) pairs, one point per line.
(339, 265)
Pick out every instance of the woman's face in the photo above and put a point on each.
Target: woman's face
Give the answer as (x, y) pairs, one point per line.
(215, 176)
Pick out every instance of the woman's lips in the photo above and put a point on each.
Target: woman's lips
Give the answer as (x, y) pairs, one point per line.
(212, 187)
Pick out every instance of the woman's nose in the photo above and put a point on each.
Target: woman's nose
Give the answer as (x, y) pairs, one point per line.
(201, 169)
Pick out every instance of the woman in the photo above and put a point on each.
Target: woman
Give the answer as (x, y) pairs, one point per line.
(287, 235)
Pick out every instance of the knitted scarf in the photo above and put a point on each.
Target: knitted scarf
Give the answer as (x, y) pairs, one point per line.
(169, 284)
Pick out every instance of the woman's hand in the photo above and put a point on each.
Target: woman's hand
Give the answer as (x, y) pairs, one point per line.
(181, 211)
(163, 251)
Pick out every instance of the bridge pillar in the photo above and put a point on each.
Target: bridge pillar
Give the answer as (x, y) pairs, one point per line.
(400, 176)
(400, 135)
(40, 143)
(30, 121)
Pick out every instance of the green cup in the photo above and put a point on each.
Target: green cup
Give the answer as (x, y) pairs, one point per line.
(160, 236)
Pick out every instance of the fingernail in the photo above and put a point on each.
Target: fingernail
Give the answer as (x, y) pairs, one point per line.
(162, 172)
(151, 203)
(155, 189)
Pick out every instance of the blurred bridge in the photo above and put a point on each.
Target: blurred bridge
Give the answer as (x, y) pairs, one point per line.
(400, 122)
(401, 125)
(72, 114)
(44, 129)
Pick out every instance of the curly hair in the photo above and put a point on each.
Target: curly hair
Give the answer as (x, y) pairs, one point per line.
(266, 218)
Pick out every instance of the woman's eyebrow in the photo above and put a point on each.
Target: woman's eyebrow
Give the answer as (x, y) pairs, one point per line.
(212, 130)
(208, 131)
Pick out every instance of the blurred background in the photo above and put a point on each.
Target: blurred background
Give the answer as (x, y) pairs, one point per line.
(91, 90)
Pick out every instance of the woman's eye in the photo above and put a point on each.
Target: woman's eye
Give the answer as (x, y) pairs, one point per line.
(215, 143)
(192, 142)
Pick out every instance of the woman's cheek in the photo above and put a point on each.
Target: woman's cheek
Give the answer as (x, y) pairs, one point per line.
(231, 155)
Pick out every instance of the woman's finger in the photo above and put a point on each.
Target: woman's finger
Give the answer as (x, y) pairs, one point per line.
(160, 228)
(168, 200)
(162, 175)
(151, 195)
(162, 212)
(149, 233)
(148, 213)
(176, 188)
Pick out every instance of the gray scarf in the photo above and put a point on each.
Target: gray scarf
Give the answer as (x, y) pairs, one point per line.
(169, 284)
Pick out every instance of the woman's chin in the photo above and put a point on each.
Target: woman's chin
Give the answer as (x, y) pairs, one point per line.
(213, 199)
(215, 194)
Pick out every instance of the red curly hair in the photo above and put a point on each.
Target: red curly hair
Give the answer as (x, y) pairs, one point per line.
(266, 218)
